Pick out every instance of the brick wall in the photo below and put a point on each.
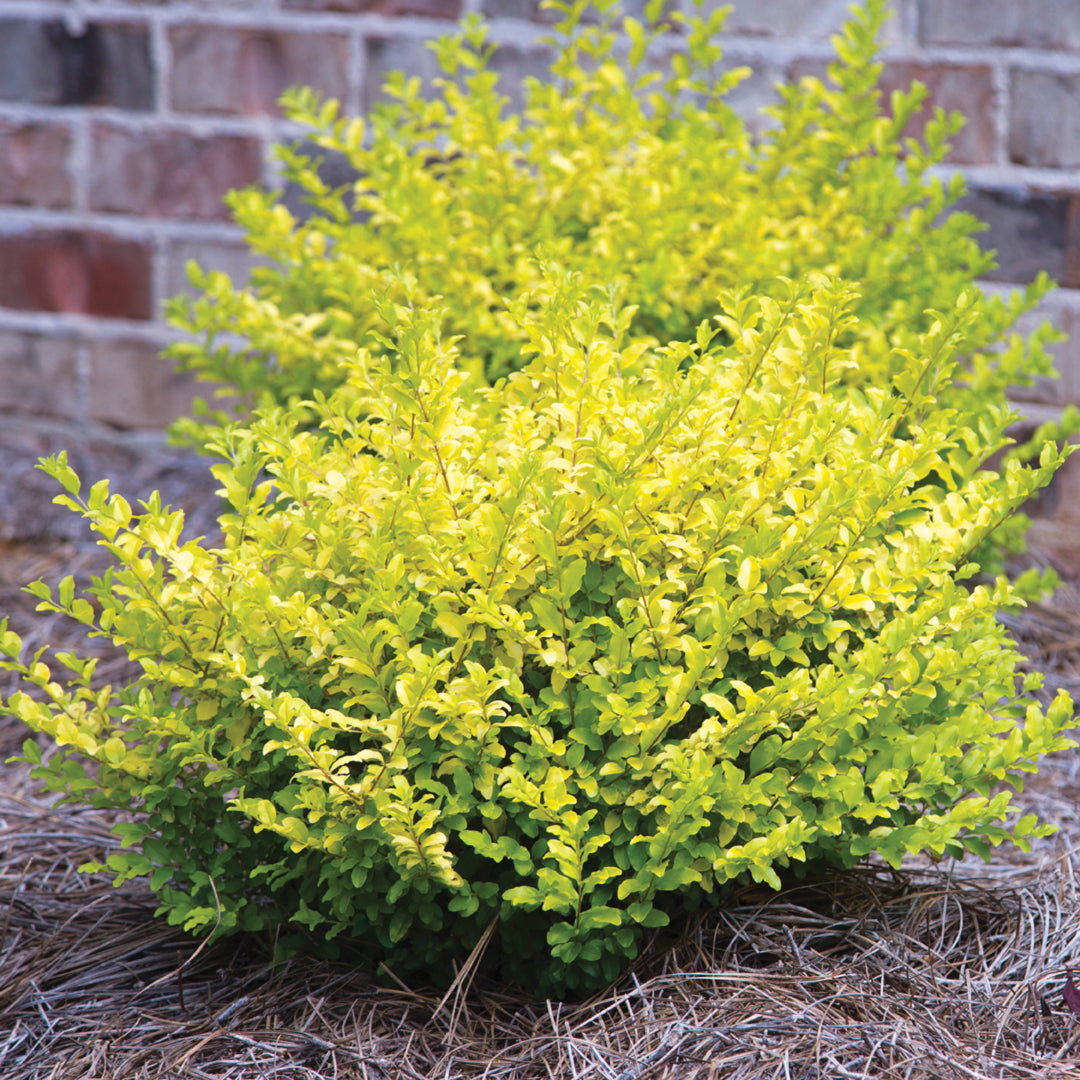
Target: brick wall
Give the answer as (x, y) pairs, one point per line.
(123, 122)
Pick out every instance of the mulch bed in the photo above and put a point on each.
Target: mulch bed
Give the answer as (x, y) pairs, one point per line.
(954, 970)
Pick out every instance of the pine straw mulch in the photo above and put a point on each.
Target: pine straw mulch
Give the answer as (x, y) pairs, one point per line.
(932, 973)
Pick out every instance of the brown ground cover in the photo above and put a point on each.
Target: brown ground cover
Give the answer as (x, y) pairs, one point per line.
(935, 972)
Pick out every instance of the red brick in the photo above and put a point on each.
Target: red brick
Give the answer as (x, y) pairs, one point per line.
(39, 374)
(225, 70)
(1038, 24)
(965, 88)
(82, 272)
(435, 9)
(133, 386)
(171, 174)
(34, 164)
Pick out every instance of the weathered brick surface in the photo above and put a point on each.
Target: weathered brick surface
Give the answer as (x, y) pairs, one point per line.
(384, 55)
(512, 63)
(783, 18)
(1040, 24)
(27, 511)
(1055, 528)
(34, 164)
(537, 11)
(965, 88)
(29, 69)
(126, 71)
(1030, 231)
(1057, 511)
(755, 93)
(333, 168)
(45, 63)
(135, 464)
(1044, 118)
(234, 259)
(133, 386)
(1061, 308)
(39, 374)
(82, 272)
(533, 10)
(227, 70)
(168, 173)
(227, 6)
(435, 9)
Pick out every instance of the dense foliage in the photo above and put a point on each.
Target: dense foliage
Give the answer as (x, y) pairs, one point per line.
(573, 651)
(627, 166)
(682, 597)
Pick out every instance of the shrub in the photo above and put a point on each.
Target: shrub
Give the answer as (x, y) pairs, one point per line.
(630, 168)
(573, 652)
(677, 595)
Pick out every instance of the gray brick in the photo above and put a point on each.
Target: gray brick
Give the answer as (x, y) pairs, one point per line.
(533, 10)
(230, 70)
(1062, 309)
(38, 374)
(333, 168)
(536, 11)
(1044, 119)
(435, 9)
(514, 65)
(1040, 24)
(386, 55)
(27, 511)
(128, 79)
(755, 93)
(1030, 231)
(107, 64)
(135, 463)
(29, 68)
(236, 260)
(783, 18)
(132, 386)
(511, 63)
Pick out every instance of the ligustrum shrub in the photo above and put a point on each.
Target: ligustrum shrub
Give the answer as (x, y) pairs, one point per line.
(627, 166)
(563, 657)
(601, 533)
